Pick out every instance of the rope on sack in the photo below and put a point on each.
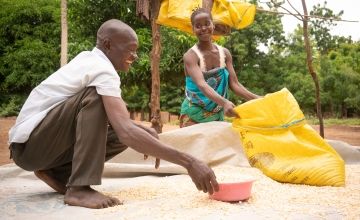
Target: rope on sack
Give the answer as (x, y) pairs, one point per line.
(295, 123)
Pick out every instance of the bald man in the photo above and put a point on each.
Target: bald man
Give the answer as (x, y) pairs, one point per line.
(76, 119)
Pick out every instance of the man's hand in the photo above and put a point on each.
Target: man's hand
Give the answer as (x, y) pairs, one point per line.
(203, 177)
(153, 133)
(157, 161)
(149, 130)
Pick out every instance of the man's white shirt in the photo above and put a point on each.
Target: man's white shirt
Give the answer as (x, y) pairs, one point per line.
(89, 68)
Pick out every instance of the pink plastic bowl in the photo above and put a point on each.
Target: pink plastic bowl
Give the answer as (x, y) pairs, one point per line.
(233, 192)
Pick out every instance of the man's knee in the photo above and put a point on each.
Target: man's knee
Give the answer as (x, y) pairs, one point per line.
(113, 142)
(91, 90)
(91, 95)
(93, 100)
(16, 153)
(113, 145)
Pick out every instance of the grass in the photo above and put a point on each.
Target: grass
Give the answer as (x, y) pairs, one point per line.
(334, 121)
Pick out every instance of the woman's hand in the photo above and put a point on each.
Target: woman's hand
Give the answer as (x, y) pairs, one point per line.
(229, 109)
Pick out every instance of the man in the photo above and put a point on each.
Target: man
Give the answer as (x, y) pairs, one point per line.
(62, 131)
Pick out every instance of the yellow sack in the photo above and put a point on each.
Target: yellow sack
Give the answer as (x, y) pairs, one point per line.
(176, 22)
(278, 141)
(235, 13)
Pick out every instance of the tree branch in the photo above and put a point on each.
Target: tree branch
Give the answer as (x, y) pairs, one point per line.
(309, 16)
(294, 9)
(296, 16)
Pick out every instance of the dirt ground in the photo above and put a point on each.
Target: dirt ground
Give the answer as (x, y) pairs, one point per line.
(349, 134)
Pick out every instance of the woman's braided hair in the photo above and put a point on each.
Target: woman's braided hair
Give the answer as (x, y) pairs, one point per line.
(197, 11)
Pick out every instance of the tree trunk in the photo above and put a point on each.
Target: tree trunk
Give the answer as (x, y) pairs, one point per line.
(343, 110)
(155, 63)
(142, 9)
(331, 108)
(220, 29)
(311, 68)
(64, 33)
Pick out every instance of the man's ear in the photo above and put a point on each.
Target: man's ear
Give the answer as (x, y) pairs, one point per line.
(106, 44)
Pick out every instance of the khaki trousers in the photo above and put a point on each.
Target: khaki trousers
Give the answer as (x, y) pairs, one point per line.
(72, 142)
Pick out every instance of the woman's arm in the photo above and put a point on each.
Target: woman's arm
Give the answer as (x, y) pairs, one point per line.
(193, 70)
(234, 83)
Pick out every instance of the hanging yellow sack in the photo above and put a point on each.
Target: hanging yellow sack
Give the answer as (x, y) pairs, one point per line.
(235, 13)
(177, 22)
(278, 141)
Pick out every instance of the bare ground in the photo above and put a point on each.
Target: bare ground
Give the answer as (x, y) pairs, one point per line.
(349, 134)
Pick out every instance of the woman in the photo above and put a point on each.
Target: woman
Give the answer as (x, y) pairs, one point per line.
(209, 74)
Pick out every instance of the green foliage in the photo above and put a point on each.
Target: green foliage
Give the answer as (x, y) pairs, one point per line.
(27, 63)
(30, 48)
(86, 16)
(23, 18)
(11, 105)
(341, 80)
(321, 27)
(137, 98)
(294, 72)
(74, 48)
(174, 45)
(170, 99)
(257, 70)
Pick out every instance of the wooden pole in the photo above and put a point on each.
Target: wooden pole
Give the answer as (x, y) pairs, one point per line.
(155, 68)
(64, 33)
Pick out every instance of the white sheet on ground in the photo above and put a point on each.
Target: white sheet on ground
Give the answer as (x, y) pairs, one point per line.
(150, 194)
(215, 143)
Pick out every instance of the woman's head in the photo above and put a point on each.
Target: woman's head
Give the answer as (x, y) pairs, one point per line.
(199, 11)
(202, 24)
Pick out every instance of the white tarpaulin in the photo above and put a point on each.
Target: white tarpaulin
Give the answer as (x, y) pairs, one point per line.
(152, 194)
(215, 143)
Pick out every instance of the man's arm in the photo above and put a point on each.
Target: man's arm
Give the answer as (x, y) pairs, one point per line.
(149, 130)
(141, 141)
(153, 133)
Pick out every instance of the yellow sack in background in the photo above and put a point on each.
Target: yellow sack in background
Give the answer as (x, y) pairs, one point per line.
(177, 22)
(237, 14)
(233, 13)
(278, 141)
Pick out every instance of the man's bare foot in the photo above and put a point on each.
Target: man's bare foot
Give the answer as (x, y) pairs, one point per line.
(87, 197)
(51, 181)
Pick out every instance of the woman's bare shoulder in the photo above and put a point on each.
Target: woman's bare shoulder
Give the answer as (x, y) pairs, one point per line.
(190, 55)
